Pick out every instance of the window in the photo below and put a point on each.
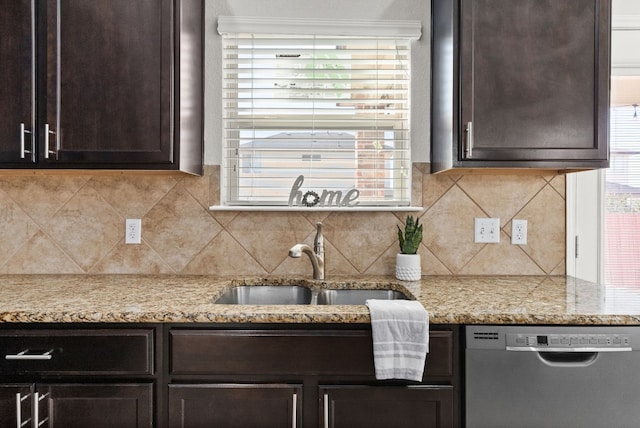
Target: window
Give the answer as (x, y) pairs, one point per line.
(315, 119)
(603, 207)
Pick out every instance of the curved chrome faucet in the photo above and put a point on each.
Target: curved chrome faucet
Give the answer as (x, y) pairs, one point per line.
(316, 255)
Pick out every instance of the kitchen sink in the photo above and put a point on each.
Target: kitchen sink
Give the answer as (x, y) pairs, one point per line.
(266, 295)
(356, 297)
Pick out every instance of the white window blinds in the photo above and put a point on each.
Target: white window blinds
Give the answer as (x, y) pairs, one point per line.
(317, 119)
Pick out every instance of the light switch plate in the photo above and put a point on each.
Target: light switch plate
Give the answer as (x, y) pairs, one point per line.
(487, 230)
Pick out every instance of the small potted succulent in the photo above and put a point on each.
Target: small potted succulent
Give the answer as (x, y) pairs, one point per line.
(408, 261)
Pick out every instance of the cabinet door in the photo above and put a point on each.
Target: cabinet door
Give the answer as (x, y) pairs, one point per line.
(386, 406)
(96, 406)
(108, 83)
(534, 80)
(235, 405)
(17, 92)
(15, 404)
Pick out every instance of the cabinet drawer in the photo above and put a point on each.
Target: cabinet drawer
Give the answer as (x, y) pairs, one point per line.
(271, 352)
(76, 352)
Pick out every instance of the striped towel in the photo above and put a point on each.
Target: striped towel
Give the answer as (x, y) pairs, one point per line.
(400, 331)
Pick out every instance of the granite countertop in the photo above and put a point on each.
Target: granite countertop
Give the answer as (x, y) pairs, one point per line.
(189, 299)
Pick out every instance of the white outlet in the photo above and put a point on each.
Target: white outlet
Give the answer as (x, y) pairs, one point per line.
(487, 230)
(519, 232)
(133, 231)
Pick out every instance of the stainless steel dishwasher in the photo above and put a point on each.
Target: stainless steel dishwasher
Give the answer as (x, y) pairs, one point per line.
(544, 377)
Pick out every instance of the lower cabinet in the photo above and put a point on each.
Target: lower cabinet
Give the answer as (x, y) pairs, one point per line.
(75, 377)
(282, 376)
(235, 405)
(76, 405)
(353, 406)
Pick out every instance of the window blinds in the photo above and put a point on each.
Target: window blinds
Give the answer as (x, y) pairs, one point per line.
(317, 119)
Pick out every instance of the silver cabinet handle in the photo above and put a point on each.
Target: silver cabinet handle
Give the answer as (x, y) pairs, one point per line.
(47, 131)
(294, 412)
(24, 356)
(19, 400)
(468, 151)
(23, 131)
(326, 410)
(36, 410)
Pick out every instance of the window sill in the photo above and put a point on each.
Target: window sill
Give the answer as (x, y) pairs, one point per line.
(311, 209)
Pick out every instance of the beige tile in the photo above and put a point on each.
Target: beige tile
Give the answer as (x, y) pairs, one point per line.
(386, 264)
(560, 269)
(434, 187)
(545, 229)
(361, 237)
(178, 228)
(224, 256)
(132, 196)
(41, 196)
(448, 229)
(132, 259)
(267, 236)
(501, 196)
(38, 256)
(86, 227)
(501, 259)
(199, 188)
(336, 263)
(213, 172)
(559, 183)
(16, 227)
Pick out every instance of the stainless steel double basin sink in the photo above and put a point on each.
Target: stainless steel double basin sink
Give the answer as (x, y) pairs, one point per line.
(301, 295)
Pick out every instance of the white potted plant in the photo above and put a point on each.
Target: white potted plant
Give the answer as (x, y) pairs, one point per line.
(408, 261)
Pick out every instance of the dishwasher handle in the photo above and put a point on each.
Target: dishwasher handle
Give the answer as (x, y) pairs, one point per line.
(568, 359)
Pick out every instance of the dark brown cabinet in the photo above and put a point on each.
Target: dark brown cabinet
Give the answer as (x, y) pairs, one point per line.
(520, 84)
(101, 85)
(77, 377)
(348, 406)
(307, 376)
(235, 405)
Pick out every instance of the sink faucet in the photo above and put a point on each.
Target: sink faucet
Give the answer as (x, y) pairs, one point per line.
(316, 255)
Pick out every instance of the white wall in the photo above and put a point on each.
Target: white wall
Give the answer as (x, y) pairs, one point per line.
(326, 9)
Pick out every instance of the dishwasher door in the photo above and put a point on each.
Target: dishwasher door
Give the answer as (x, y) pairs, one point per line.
(545, 377)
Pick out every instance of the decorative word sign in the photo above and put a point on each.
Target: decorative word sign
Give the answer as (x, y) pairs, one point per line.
(327, 198)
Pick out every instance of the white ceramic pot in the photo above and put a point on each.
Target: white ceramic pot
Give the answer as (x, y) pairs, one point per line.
(408, 267)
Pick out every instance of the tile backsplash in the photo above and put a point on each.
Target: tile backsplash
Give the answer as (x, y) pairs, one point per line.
(72, 223)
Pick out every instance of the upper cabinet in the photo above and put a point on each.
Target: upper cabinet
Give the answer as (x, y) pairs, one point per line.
(520, 84)
(101, 84)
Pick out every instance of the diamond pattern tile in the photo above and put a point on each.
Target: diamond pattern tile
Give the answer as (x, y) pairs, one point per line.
(178, 228)
(501, 196)
(41, 196)
(132, 197)
(448, 229)
(69, 223)
(86, 228)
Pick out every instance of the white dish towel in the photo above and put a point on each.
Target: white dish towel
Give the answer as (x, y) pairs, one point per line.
(400, 331)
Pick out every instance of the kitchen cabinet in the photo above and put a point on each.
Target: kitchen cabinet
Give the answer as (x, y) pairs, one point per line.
(101, 85)
(235, 405)
(520, 85)
(349, 406)
(316, 377)
(77, 377)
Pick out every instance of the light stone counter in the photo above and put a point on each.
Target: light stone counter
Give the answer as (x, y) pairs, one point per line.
(189, 299)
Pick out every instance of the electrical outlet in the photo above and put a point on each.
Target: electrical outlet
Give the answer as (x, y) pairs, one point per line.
(487, 230)
(519, 232)
(133, 231)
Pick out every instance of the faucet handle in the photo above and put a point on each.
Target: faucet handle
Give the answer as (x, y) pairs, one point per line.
(318, 242)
